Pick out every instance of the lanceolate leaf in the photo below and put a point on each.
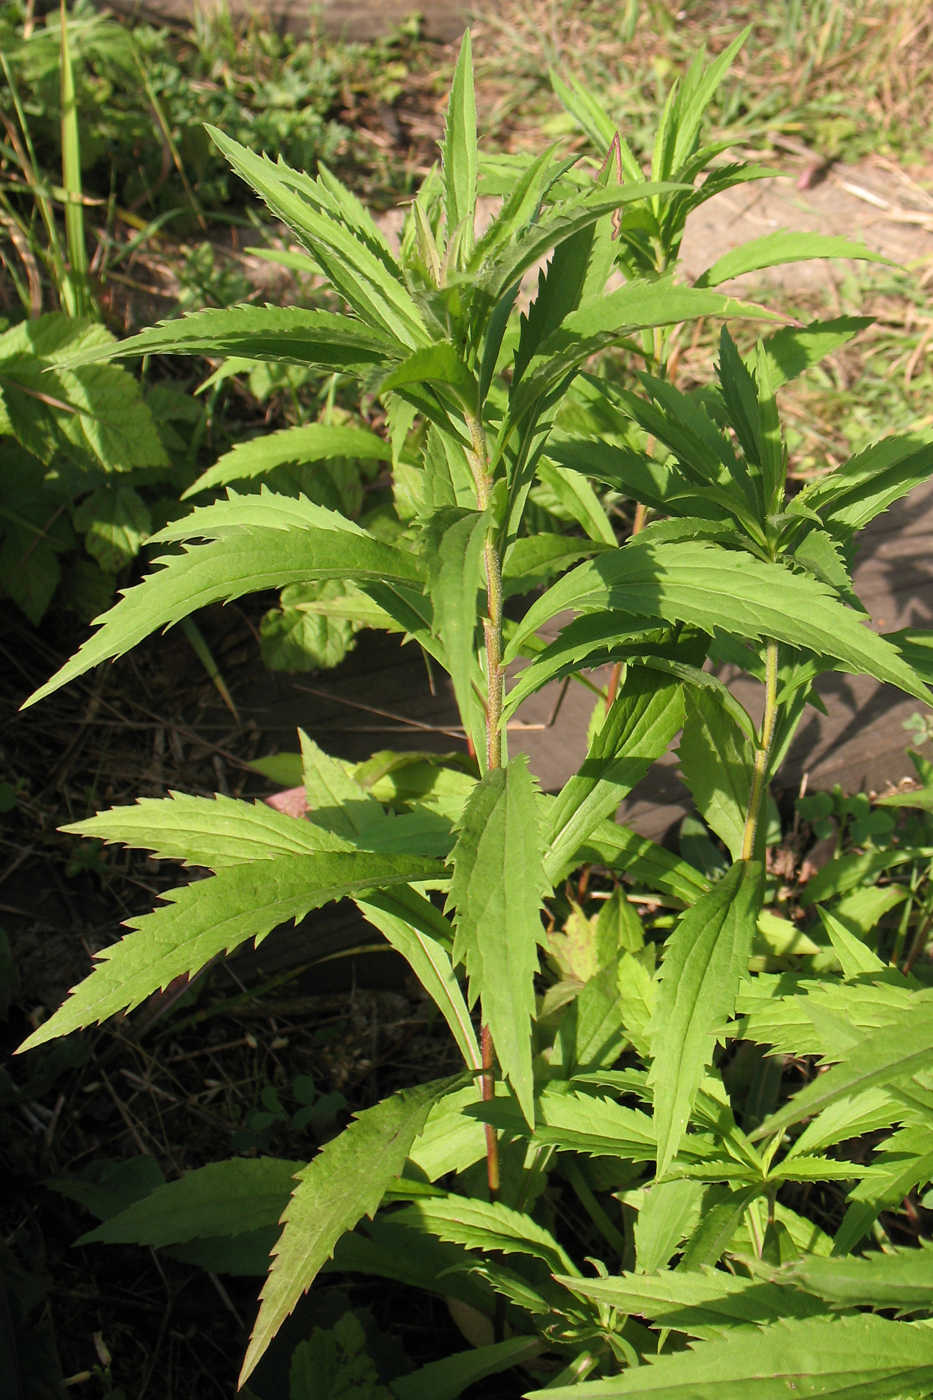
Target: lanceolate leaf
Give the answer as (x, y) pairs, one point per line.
(310, 442)
(447, 1379)
(214, 916)
(287, 335)
(577, 1122)
(704, 959)
(485, 1225)
(346, 1181)
(460, 160)
(717, 762)
(227, 568)
(711, 587)
(900, 1050)
(845, 1358)
(496, 890)
(224, 1198)
(455, 577)
(902, 1278)
(638, 728)
(214, 831)
(782, 246)
(701, 1303)
(869, 482)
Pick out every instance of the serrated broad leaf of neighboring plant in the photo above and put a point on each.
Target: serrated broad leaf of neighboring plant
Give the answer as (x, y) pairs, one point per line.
(309, 442)
(714, 588)
(296, 638)
(704, 959)
(345, 1181)
(223, 1198)
(216, 832)
(701, 1303)
(717, 763)
(846, 1358)
(782, 246)
(900, 1050)
(214, 916)
(496, 891)
(224, 569)
(485, 1225)
(115, 521)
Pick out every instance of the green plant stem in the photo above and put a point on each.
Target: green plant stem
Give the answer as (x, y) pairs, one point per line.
(750, 837)
(495, 696)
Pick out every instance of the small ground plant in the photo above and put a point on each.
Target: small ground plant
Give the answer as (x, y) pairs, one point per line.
(623, 1080)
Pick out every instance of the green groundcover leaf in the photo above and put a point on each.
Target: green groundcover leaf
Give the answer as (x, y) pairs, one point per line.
(846, 1358)
(214, 916)
(345, 1181)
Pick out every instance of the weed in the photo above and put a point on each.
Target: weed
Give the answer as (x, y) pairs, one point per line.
(597, 1132)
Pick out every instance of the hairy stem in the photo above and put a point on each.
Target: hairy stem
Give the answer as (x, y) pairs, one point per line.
(495, 695)
(750, 837)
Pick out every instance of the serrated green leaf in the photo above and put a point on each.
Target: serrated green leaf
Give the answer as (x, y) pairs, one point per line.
(213, 916)
(223, 1198)
(496, 891)
(901, 1049)
(704, 959)
(485, 1225)
(703, 1303)
(286, 335)
(710, 587)
(455, 577)
(638, 728)
(865, 485)
(782, 246)
(216, 832)
(311, 442)
(644, 861)
(903, 1161)
(114, 521)
(301, 634)
(429, 961)
(846, 1358)
(854, 957)
(717, 762)
(668, 1214)
(900, 1278)
(345, 1181)
(439, 364)
(458, 151)
(226, 568)
(576, 1122)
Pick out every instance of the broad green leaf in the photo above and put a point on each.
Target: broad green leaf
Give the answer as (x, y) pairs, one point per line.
(269, 509)
(854, 957)
(429, 961)
(223, 1198)
(485, 1225)
(311, 442)
(447, 1379)
(304, 633)
(638, 728)
(703, 1303)
(717, 763)
(451, 1141)
(819, 1018)
(869, 482)
(704, 959)
(285, 335)
(224, 569)
(439, 364)
(667, 1216)
(900, 1050)
(583, 645)
(714, 588)
(576, 498)
(216, 832)
(532, 560)
(214, 916)
(115, 522)
(458, 150)
(846, 1358)
(867, 1112)
(782, 246)
(899, 1278)
(345, 1181)
(496, 891)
